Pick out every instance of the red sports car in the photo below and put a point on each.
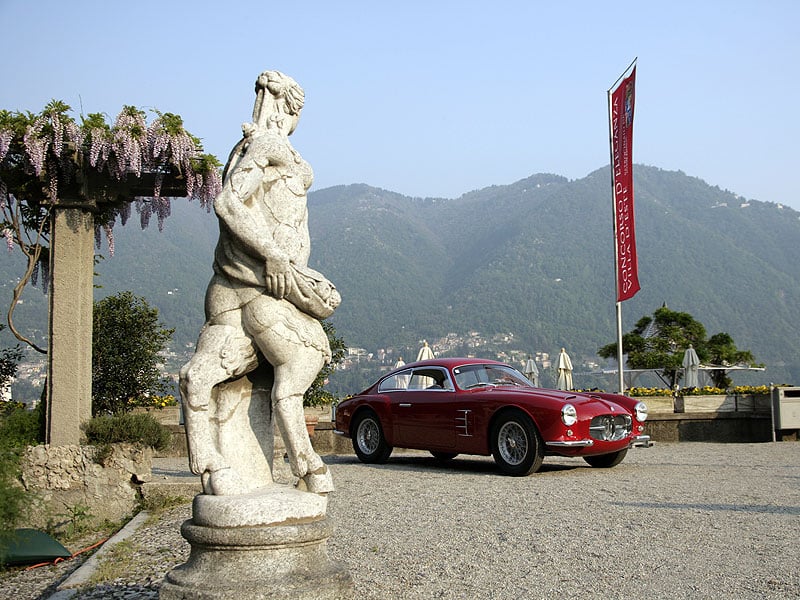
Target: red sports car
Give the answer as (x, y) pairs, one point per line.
(454, 406)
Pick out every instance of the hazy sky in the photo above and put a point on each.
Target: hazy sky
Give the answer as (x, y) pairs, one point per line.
(433, 98)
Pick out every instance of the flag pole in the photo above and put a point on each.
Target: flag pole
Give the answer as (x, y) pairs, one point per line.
(620, 374)
(620, 368)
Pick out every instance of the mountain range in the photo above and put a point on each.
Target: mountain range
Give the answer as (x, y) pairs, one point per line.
(533, 259)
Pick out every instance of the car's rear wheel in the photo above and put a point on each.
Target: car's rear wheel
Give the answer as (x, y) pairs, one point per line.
(443, 456)
(606, 461)
(368, 440)
(517, 447)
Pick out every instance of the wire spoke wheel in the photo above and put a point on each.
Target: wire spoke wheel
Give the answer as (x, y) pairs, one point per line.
(517, 447)
(512, 443)
(368, 442)
(368, 436)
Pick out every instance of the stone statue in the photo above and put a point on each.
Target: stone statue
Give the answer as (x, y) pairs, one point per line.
(260, 349)
(262, 344)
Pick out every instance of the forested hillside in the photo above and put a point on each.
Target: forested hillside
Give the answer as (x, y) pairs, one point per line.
(534, 258)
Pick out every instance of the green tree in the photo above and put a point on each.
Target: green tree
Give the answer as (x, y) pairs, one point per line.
(659, 343)
(722, 351)
(127, 338)
(317, 395)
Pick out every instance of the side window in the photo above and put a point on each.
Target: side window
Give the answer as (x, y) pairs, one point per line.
(398, 381)
(430, 379)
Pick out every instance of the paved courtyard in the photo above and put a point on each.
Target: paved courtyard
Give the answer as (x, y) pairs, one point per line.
(680, 520)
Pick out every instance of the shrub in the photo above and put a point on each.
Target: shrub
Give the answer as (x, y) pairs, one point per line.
(133, 428)
(19, 428)
(14, 500)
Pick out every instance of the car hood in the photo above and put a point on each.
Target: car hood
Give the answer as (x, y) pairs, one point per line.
(562, 397)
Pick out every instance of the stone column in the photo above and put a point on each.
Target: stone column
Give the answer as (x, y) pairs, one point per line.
(69, 359)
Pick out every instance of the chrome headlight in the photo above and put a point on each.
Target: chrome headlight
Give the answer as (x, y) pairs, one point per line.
(569, 416)
(641, 411)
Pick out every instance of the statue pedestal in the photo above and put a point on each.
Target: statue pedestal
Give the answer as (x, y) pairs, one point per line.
(270, 543)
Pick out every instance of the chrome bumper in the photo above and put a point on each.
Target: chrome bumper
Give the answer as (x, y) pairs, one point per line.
(572, 444)
(640, 441)
(337, 432)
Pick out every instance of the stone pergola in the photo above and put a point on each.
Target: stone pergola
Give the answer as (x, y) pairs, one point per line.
(72, 238)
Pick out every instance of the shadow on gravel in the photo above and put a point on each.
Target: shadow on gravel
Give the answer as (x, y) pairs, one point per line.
(741, 508)
(480, 465)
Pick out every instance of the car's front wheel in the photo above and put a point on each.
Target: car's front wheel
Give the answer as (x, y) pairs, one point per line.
(606, 461)
(368, 440)
(517, 447)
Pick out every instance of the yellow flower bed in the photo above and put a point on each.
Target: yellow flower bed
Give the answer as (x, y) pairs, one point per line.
(647, 391)
(744, 390)
(157, 401)
(706, 390)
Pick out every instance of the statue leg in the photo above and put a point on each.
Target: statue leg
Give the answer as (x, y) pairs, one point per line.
(291, 381)
(296, 346)
(222, 352)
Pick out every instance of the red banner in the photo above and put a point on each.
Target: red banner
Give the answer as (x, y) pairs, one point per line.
(621, 115)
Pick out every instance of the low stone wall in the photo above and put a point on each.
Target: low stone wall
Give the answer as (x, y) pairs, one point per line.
(747, 403)
(327, 442)
(168, 415)
(739, 427)
(68, 480)
(721, 403)
(177, 446)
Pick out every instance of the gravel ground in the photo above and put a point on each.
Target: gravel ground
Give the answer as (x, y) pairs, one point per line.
(683, 520)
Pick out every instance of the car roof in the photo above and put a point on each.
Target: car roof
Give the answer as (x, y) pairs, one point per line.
(450, 363)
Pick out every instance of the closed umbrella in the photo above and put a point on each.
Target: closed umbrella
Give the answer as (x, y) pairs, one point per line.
(402, 380)
(691, 366)
(564, 371)
(425, 352)
(532, 372)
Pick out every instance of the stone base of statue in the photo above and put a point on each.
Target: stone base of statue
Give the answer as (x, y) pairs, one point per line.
(271, 543)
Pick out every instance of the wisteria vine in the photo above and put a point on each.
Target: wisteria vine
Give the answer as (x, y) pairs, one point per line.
(39, 154)
(45, 155)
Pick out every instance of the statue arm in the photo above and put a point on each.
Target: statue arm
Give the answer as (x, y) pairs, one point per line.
(234, 208)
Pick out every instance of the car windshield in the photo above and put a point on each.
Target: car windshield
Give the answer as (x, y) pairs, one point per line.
(471, 376)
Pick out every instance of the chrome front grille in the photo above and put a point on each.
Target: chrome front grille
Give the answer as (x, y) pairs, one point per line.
(610, 428)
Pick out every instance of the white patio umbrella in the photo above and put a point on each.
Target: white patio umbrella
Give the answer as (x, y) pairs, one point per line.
(691, 364)
(532, 372)
(564, 371)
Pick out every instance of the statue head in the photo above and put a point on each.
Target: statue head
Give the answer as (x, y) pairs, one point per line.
(278, 96)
